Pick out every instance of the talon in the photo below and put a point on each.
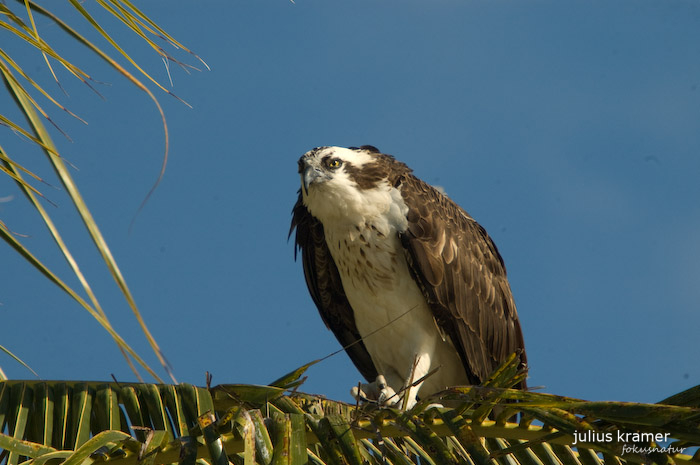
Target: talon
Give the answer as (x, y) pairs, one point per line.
(358, 394)
(378, 391)
(387, 397)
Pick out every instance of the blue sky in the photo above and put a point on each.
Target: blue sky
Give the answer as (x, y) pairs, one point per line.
(569, 130)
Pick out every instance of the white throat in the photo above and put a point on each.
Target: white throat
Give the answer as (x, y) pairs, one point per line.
(342, 206)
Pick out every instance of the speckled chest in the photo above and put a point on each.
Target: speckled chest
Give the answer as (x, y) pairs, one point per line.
(366, 257)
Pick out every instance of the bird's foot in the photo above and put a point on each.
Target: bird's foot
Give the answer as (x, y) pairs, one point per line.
(378, 392)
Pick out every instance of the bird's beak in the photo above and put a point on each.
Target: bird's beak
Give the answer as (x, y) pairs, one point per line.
(309, 176)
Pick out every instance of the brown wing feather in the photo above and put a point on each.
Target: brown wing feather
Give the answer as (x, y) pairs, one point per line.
(463, 278)
(326, 288)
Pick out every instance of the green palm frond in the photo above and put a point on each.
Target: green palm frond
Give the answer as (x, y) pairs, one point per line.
(18, 360)
(128, 424)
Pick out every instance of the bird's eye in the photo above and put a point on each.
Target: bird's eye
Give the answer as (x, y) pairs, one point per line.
(335, 163)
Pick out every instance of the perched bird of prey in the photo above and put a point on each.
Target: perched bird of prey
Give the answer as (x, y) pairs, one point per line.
(393, 263)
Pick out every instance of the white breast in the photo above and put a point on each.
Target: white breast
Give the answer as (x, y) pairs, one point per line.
(391, 313)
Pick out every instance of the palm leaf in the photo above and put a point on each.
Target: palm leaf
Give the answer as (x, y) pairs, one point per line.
(20, 86)
(127, 424)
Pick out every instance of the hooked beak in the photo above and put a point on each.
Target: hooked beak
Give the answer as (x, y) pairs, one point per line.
(309, 176)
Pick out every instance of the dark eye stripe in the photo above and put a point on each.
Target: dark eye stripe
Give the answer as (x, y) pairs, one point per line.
(328, 162)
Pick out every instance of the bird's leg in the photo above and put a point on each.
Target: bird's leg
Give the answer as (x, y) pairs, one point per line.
(420, 371)
(419, 368)
(378, 391)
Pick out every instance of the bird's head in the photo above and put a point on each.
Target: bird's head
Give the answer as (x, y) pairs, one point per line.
(339, 183)
(334, 168)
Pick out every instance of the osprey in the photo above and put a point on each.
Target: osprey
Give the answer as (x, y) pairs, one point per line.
(406, 279)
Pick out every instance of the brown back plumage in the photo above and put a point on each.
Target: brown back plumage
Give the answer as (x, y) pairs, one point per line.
(463, 278)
